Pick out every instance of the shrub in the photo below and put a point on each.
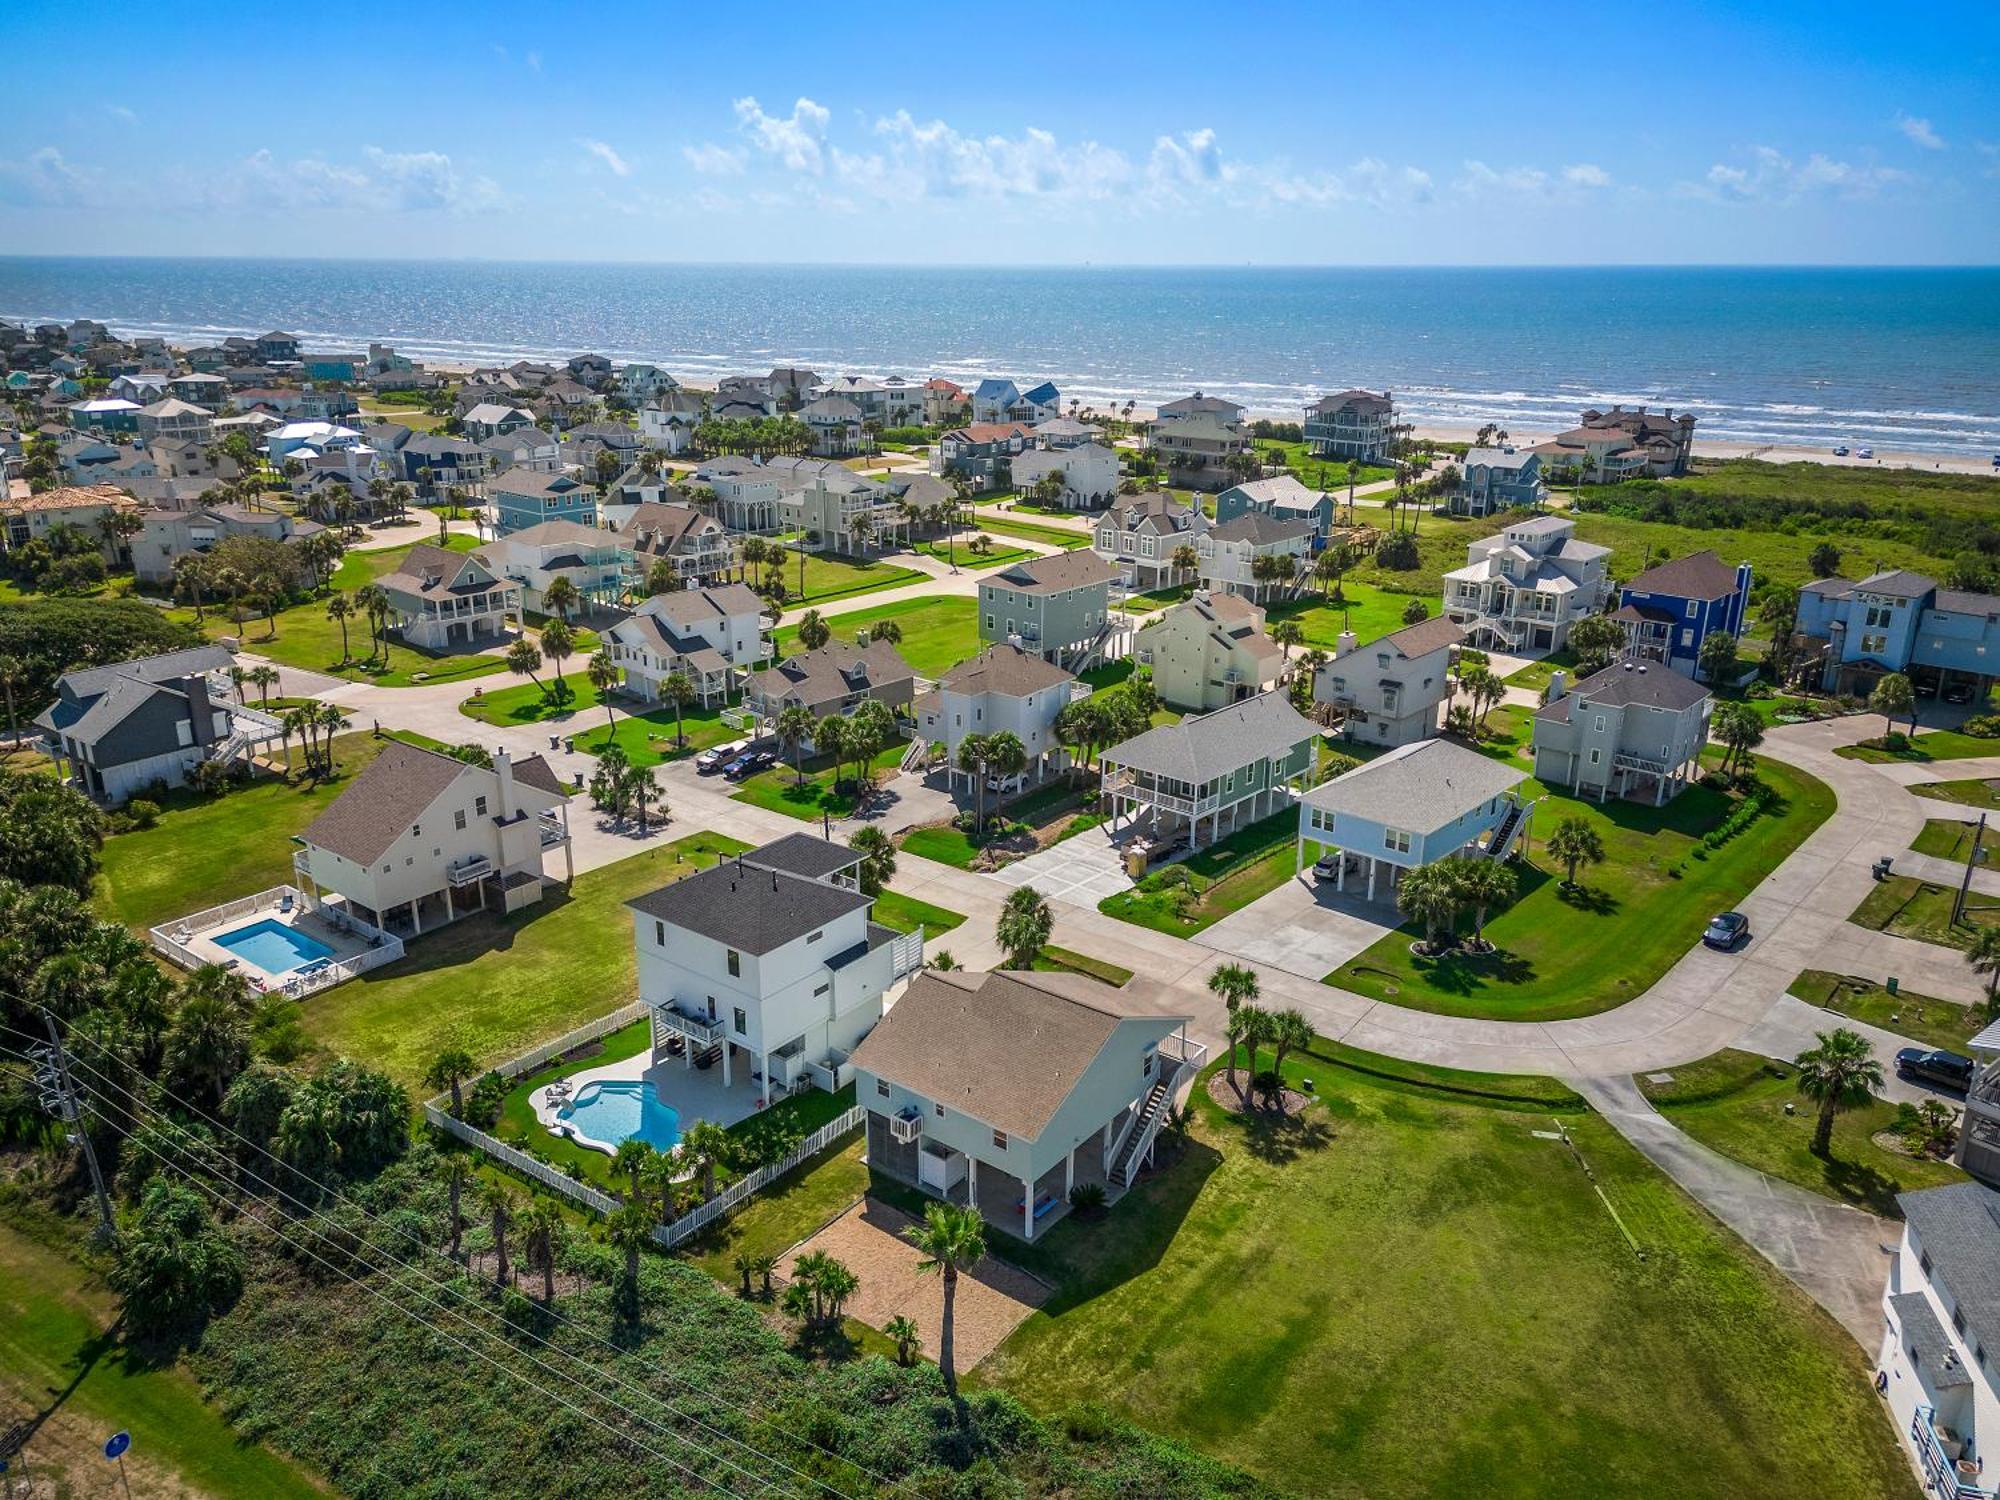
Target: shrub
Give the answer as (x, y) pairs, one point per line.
(1087, 1197)
(1398, 553)
(1895, 739)
(1983, 726)
(143, 812)
(482, 1105)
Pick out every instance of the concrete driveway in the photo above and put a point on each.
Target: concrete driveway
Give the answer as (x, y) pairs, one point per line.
(1082, 871)
(1301, 928)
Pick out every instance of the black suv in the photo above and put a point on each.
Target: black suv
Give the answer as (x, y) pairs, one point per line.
(1946, 1069)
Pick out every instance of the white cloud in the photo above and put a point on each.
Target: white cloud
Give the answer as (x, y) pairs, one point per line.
(797, 140)
(1480, 178)
(122, 112)
(382, 182)
(714, 161)
(1586, 175)
(1772, 176)
(1919, 132)
(604, 153)
(46, 179)
(535, 61)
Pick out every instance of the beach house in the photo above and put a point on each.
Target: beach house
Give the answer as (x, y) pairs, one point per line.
(1389, 690)
(836, 426)
(1354, 424)
(1523, 587)
(1282, 498)
(1206, 776)
(834, 679)
(1850, 632)
(1009, 1090)
(1607, 446)
(1087, 472)
(1669, 610)
(441, 600)
(1492, 479)
(837, 509)
(597, 563)
(1003, 689)
(166, 536)
(87, 508)
(696, 548)
(1058, 607)
(982, 454)
(1140, 534)
(1201, 441)
(706, 634)
(1255, 555)
(1208, 651)
(1630, 730)
(529, 497)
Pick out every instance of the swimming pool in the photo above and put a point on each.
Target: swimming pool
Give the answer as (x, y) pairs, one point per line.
(273, 946)
(616, 1110)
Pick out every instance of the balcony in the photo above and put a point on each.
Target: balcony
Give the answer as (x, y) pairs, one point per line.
(906, 1125)
(469, 871)
(700, 1029)
(1937, 1450)
(551, 830)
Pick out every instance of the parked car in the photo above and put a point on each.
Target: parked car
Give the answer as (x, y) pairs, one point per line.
(1327, 867)
(1840, 451)
(712, 760)
(1864, 453)
(1946, 1069)
(748, 764)
(1958, 692)
(1727, 930)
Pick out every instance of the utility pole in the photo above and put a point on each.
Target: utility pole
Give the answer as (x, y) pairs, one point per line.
(61, 1099)
(1971, 859)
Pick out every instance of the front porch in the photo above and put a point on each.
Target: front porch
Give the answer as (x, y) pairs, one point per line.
(1170, 812)
(1002, 1198)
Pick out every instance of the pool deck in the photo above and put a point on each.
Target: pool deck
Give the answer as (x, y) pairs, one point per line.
(692, 1093)
(343, 944)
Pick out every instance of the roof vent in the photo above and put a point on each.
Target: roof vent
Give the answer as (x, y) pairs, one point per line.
(1628, 666)
(1642, 669)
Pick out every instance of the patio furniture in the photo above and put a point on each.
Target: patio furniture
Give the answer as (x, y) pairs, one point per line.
(285, 902)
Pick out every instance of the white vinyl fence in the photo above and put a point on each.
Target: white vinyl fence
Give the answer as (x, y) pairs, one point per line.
(726, 1202)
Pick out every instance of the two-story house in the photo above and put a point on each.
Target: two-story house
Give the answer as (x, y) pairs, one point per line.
(945, 402)
(489, 418)
(768, 963)
(421, 838)
(982, 454)
(667, 421)
(1009, 1090)
(437, 462)
(441, 600)
(1522, 588)
(707, 634)
(1206, 776)
(1140, 534)
(174, 418)
(1669, 610)
(529, 497)
(1358, 425)
(1002, 688)
(1088, 472)
(85, 508)
(1417, 804)
(891, 401)
(1001, 400)
(1230, 553)
(696, 548)
(1629, 730)
(1058, 607)
(1200, 440)
(1390, 689)
(1492, 479)
(746, 493)
(1850, 633)
(834, 679)
(1282, 498)
(837, 509)
(1208, 651)
(836, 426)
(165, 536)
(597, 562)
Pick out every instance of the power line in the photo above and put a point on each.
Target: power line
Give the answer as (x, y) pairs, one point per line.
(882, 1480)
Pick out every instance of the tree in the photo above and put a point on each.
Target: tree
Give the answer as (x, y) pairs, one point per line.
(951, 1239)
(557, 643)
(209, 1040)
(500, 1203)
(972, 761)
(1290, 1032)
(1006, 756)
(908, 1340)
(709, 1144)
(1983, 953)
(1288, 633)
(1185, 560)
(678, 689)
(878, 858)
(794, 728)
(642, 787)
(542, 1232)
(523, 657)
(449, 1070)
(1739, 730)
(1717, 657)
(1824, 560)
(1893, 696)
(455, 1172)
(814, 632)
(833, 738)
(629, 1231)
(630, 1160)
(1838, 1074)
(339, 607)
(1575, 842)
(603, 674)
(1483, 884)
(561, 596)
(1594, 641)
(1429, 893)
(175, 1267)
(1237, 1027)
(1416, 612)
(1236, 984)
(886, 630)
(1024, 926)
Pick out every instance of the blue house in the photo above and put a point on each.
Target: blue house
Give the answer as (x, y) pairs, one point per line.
(1670, 610)
(1493, 479)
(1283, 498)
(341, 367)
(1420, 803)
(527, 497)
(1896, 621)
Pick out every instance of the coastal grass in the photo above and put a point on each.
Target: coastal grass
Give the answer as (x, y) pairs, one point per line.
(62, 1353)
(779, 789)
(1949, 838)
(1193, 894)
(205, 850)
(1949, 1024)
(1028, 531)
(1977, 791)
(906, 914)
(1903, 907)
(1369, 612)
(506, 982)
(831, 577)
(1561, 953)
(1203, 1305)
(1774, 556)
(1735, 1103)
(938, 633)
(1936, 744)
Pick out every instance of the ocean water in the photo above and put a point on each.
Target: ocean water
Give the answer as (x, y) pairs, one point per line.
(1903, 359)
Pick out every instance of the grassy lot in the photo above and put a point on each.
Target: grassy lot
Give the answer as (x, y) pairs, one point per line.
(207, 850)
(1936, 744)
(1328, 474)
(1903, 907)
(649, 738)
(1370, 612)
(1574, 953)
(1223, 878)
(1054, 960)
(831, 577)
(1735, 1102)
(938, 634)
(780, 789)
(1048, 536)
(960, 551)
(786, 1212)
(904, 913)
(508, 981)
(1951, 838)
(953, 846)
(530, 703)
(1536, 674)
(1936, 1023)
(1408, 1292)
(59, 1346)
(1977, 791)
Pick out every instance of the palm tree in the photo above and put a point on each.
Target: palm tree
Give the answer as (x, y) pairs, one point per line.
(543, 1229)
(794, 729)
(264, 678)
(557, 644)
(449, 1070)
(908, 1340)
(1288, 633)
(1429, 893)
(886, 630)
(455, 1172)
(1024, 926)
(1185, 559)
(950, 1240)
(1237, 1031)
(706, 1142)
(603, 673)
(814, 632)
(644, 790)
(340, 608)
(972, 760)
(630, 1230)
(1575, 843)
(523, 657)
(1290, 1032)
(1006, 756)
(11, 676)
(1235, 983)
(1839, 1074)
(1984, 955)
(500, 1203)
(630, 1160)
(679, 691)
(1483, 884)
(561, 596)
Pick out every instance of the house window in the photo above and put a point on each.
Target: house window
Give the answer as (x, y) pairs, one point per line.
(821, 991)
(1600, 722)
(938, 1110)
(1396, 840)
(660, 933)
(416, 830)
(479, 806)
(1000, 1140)
(882, 1088)
(735, 964)
(813, 937)
(458, 820)
(1594, 756)
(1692, 606)
(742, 1021)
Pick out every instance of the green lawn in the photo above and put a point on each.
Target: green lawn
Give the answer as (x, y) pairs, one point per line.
(1536, 674)
(1223, 878)
(1949, 1024)
(960, 551)
(1777, 556)
(1329, 474)
(507, 981)
(1370, 612)
(1574, 953)
(1951, 838)
(905, 913)
(207, 850)
(529, 702)
(785, 1212)
(1048, 536)
(60, 1348)
(1936, 744)
(1735, 1102)
(780, 790)
(831, 577)
(1977, 791)
(1410, 1292)
(1054, 960)
(1903, 907)
(653, 736)
(938, 634)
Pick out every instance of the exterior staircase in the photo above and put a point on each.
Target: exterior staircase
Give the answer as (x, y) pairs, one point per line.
(1139, 1135)
(708, 1056)
(1501, 845)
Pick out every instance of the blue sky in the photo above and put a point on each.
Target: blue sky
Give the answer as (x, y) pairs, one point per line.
(1786, 132)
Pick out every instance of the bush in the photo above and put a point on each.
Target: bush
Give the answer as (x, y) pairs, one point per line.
(1398, 553)
(1087, 1197)
(1983, 726)
(482, 1105)
(142, 812)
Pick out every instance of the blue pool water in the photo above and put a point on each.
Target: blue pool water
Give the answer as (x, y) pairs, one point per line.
(619, 1110)
(273, 947)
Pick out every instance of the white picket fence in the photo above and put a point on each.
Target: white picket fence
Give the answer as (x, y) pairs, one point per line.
(548, 1052)
(731, 1198)
(520, 1161)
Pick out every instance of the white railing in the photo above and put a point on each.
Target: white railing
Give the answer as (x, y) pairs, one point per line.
(520, 1161)
(590, 1031)
(725, 1202)
(701, 1030)
(165, 939)
(905, 1126)
(466, 871)
(906, 953)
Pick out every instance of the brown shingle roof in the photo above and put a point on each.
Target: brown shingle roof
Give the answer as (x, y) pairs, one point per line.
(1075, 569)
(1423, 637)
(1007, 670)
(363, 821)
(1700, 575)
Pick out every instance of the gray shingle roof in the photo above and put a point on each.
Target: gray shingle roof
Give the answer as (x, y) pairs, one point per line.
(1421, 638)
(1201, 748)
(1260, 530)
(805, 855)
(1958, 1227)
(1419, 787)
(1929, 1345)
(748, 909)
(829, 674)
(1898, 583)
(1075, 569)
(1006, 670)
(1700, 575)
(1625, 683)
(1957, 602)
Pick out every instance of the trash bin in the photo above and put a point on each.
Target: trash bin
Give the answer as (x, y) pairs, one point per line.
(1135, 862)
(1893, 982)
